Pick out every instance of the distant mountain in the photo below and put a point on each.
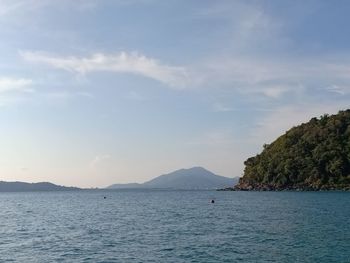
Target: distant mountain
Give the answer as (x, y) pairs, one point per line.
(27, 187)
(193, 178)
(124, 186)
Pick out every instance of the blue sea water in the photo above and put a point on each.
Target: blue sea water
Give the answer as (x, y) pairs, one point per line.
(174, 226)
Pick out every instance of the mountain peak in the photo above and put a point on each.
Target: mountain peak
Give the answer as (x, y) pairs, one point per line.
(193, 170)
(191, 178)
(197, 168)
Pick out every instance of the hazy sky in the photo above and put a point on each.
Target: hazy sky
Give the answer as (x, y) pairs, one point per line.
(100, 92)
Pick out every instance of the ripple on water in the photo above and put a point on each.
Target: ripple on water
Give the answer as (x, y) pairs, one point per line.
(174, 226)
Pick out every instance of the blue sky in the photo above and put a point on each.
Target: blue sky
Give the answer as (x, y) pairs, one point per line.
(100, 92)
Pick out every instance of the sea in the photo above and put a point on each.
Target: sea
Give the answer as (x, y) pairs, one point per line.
(174, 226)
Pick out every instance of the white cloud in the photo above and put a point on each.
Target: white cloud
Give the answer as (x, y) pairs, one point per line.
(339, 89)
(219, 107)
(274, 92)
(15, 84)
(122, 62)
(98, 160)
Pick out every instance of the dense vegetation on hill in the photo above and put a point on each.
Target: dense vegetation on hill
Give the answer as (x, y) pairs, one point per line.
(312, 156)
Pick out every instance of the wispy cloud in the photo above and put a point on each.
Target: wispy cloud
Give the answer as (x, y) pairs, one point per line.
(273, 78)
(98, 160)
(15, 84)
(257, 56)
(123, 62)
(274, 92)
(8, 7)
(219, 107)
(247, 26)
(11, 7)
(277, 122)
(64, 95)
(339, 89)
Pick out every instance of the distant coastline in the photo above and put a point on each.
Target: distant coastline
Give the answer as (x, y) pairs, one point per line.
(195, 178)
(33, 187)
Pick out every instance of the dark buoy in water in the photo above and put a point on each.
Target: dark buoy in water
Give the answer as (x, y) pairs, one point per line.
(212, 201)
(104, 197)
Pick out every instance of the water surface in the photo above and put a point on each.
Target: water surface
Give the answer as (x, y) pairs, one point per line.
(174, 226)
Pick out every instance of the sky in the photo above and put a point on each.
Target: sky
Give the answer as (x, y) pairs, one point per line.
(116, 91)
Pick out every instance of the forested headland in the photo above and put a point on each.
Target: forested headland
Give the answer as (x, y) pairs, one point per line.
(312, 156)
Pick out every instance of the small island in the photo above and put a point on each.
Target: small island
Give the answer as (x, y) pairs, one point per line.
(310, 157)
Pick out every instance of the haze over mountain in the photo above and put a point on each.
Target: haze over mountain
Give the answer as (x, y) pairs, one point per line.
(24, 187)
(193, 178)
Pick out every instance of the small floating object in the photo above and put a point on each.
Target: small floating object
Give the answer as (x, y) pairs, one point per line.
(212, 201)
(104, 197)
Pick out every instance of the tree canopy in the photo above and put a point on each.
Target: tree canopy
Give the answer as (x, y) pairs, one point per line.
(312, 156)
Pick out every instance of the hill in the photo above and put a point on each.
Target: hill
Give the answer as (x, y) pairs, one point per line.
(27, 187)
(193, 178)
(312, 156)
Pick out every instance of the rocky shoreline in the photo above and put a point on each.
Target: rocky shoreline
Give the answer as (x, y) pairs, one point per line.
(297, 188)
